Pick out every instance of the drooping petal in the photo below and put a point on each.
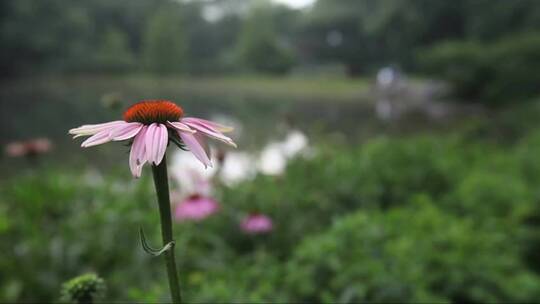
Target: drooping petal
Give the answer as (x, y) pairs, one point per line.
(196, 148)
(125, 131)
(97, 139)
(208, 123)
(156, 142)
(87, 130)
(137, 155)
(203, 142)
(178, 126)
(208, 130)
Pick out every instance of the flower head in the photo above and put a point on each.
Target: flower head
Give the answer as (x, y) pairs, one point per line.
(151, 124)
(257, 224)
(195, 208)
(87, 288)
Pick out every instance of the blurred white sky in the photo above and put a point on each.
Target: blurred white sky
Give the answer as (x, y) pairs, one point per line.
(214, 11)
(295, 3)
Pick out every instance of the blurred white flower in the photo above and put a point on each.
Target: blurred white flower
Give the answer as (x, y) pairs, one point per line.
(191, 175)
(237, 167)
(274, 157)
(272, 160)
(295, 143)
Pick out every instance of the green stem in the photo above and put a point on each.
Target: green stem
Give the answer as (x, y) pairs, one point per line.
(162, 189)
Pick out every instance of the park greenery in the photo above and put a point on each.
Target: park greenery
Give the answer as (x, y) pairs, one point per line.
(486, 48)
(447, 216)
(415, 208)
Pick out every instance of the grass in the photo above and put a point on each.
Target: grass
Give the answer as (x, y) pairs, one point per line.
(335, 89)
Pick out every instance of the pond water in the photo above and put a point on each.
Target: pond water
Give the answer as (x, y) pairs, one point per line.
(50, 107)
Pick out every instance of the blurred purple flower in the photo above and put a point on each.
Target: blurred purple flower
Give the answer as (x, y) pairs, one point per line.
(195, 208)
(257, 224)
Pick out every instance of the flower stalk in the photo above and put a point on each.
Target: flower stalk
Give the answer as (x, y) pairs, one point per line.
(162, 190)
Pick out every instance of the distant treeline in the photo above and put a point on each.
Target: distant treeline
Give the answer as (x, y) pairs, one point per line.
(227, 36)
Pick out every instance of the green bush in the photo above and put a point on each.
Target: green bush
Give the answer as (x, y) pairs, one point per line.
(63, 224)
(423, 218)
(480, 194)
(498, 72)
(411, 254)
(463, 64)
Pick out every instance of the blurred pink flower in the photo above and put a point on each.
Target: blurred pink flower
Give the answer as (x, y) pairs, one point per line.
(195, 208)
(15, 149)
(151, 124)
(30, 147)
(257, 224)
(39, 145)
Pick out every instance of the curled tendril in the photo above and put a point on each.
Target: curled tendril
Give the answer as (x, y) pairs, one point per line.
(152, 251)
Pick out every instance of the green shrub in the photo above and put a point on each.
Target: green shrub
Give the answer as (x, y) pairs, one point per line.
(490, 194)
(62, 224)
(411, 254)
(463, 64)
(254, 278)
(389, 172)
(421, 218)
(87, 288)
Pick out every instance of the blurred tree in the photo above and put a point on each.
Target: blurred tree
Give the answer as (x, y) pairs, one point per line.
(489, 72)
(164, 42)
(205, 36)
(330, 32)
(259, 47)
(114, 54)
(491, 19)
(367, 33)
(38, 34)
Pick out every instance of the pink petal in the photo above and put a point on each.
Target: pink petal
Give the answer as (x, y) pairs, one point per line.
(208, 130)
(86, 130)
(178, 126)
(202, 141)
(126, 131)
(97, 139)
(156, 143)
(137, 155)
(196, 148)
(208, 123)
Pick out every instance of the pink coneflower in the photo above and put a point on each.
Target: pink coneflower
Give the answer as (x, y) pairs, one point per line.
(15, 149)
(257, 224)
(30, 147)
(195, 208)
(151, 124)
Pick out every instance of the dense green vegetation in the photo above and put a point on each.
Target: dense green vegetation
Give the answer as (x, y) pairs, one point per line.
(444, 217)
(355, 37)
(491, 72)
(258, 36)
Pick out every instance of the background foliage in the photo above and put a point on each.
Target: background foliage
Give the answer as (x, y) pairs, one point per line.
(421, 218)
(437, 203)
(494, 46)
